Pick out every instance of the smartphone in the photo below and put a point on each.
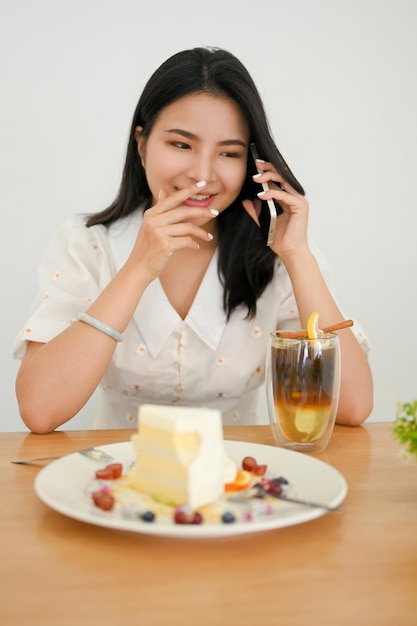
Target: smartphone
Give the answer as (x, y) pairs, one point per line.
(269, 208)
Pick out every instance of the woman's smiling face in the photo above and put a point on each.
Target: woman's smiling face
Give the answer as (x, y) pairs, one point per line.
(198, 137)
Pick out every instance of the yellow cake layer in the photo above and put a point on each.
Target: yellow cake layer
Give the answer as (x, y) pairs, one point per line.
(159, 489)
(158, 463)
(174, 445)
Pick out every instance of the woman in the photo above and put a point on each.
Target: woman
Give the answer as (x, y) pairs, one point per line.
(177, 267)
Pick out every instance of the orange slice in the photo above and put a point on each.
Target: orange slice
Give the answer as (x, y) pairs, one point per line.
(241, 481)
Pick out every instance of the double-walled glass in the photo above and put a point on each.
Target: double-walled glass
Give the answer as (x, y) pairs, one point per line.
(303, 387)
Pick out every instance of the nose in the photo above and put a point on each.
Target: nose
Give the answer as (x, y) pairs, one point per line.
(202, 166)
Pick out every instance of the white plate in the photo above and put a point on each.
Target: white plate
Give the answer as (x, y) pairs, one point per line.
(63, 486)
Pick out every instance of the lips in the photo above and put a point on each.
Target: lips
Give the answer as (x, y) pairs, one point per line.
(202, 200)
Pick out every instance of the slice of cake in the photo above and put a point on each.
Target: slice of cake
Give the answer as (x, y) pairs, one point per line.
(180, 455)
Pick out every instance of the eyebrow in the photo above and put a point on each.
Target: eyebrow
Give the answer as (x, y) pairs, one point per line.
(188, 135)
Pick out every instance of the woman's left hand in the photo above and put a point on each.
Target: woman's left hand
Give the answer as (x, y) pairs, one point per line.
(291, 226)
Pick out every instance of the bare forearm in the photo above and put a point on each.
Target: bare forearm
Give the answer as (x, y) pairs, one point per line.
(312, 294)
(56, 379)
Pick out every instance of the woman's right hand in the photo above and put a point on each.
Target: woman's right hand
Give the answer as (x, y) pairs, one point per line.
(167, 227)
(80, 354)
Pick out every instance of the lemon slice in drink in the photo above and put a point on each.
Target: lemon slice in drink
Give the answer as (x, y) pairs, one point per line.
(311, 423)
(313, 331)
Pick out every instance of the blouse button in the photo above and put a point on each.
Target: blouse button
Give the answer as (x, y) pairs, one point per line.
(179, 389)
(176, 364)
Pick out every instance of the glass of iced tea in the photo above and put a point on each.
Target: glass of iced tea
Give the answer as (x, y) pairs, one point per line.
(303, 387)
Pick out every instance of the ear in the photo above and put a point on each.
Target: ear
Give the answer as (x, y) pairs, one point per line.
(252, 208)
(141, 141)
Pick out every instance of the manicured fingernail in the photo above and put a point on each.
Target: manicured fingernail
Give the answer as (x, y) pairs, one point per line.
(214, 212)
(257, 175)
(261, 161)
(209, 235)
(201, 183)
(261, 193)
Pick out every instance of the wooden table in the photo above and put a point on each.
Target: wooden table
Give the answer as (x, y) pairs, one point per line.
(356, 567)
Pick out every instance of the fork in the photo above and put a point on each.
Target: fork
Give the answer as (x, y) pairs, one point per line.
(92, 453)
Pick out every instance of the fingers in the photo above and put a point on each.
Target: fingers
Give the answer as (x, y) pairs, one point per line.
(279, 189)
(179, 243)
(290, 203)
(171, 214)
(186, 233)
(171, 209)
(270, 174)
(170, 224)
(178, 197)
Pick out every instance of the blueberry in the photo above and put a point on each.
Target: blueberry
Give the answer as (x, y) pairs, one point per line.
(228, 518)
(148, 516)
(279, 481)
(282, 480)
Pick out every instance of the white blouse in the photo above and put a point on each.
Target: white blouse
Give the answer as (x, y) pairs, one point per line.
(203, 360)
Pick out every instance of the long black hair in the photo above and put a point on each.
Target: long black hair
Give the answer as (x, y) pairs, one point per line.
(246, 264)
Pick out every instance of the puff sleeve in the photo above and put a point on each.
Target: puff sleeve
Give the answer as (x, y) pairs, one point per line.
(75, 268)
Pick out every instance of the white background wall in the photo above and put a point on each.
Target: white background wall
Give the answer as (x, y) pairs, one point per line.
(338, 78)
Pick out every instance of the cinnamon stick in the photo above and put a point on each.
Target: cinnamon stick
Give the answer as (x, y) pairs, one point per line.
(302, 334)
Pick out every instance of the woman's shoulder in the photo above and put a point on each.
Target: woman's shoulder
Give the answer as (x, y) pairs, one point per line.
(74, 232)
(91, 243)
(74, 244)
(76, 226)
